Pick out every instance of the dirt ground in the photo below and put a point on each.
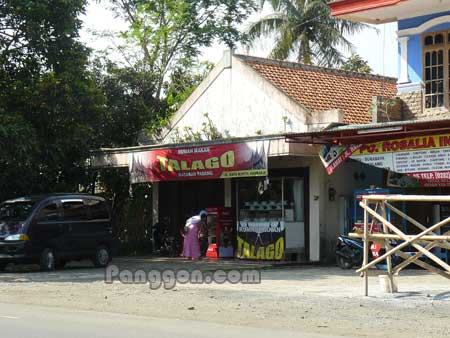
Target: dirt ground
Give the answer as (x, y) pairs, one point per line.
(323, 300)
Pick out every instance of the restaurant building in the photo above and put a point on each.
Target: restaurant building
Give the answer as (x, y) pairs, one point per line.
(283, 204)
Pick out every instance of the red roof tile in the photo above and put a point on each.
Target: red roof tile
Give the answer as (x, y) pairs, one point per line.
(321, 89)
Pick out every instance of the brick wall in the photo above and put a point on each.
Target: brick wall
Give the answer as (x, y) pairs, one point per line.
(413, 108)
(386, 109)
(412, 105)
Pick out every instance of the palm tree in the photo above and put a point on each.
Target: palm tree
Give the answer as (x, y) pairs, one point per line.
(306, 29)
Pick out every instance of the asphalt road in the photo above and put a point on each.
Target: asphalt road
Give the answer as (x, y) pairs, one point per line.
(18, 321)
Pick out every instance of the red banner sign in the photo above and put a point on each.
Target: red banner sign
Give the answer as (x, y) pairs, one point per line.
(334, 156)
(200, 163)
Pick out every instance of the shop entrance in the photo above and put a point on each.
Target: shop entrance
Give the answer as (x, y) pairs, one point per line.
(180, 200)
(272, 213)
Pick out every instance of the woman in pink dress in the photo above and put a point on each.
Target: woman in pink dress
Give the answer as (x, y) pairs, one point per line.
(191, 247)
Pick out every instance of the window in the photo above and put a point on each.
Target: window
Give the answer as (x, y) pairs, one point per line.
(48, 213)
(437, 69)
(15, 211)
(99, 210)
(260, 200)
(74, 210)
(293, 195)
(439, 39)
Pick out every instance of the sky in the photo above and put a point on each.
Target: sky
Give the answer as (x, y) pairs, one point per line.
(377, 45)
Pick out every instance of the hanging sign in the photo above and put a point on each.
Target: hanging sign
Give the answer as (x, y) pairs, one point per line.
(333, 156)
(426, 159)
(261, 240)
(232, 160)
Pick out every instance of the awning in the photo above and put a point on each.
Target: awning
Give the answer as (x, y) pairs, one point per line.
(383, 11)
(370, 133)
(418, 152)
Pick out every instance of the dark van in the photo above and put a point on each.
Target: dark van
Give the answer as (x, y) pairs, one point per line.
(53, 229)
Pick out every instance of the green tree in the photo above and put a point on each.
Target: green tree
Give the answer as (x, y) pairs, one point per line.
(170, 31)
(18, 149)
(49, 103)
(129, 103)
(183, 80)
(305, 29)
(356, 63)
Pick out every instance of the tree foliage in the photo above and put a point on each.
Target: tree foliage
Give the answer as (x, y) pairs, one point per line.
(208, 132)
(129, 103)
(49, 103)
(306, 30)
(184, 79)
(56, 105)
(170, 31)
(356, 63)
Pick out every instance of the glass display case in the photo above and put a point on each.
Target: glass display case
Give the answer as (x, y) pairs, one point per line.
(260, 201)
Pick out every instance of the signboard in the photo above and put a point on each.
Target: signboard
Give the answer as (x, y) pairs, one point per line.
(199, 163)
(397, 180)
(426, 159)
(333, 156)
(261, 240)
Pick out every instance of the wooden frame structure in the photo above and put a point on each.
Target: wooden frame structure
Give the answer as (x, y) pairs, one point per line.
(423, 242)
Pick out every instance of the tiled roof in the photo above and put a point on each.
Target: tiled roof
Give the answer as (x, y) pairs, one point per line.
(321, 89)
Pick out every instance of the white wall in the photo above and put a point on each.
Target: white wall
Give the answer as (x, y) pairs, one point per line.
(324, 215)
(316, 208)
(317, 181)
(241, 103)
(344, 182)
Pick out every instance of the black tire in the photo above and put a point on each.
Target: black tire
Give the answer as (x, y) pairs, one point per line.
(60, 264)
(48, 260)
(343, 263)
(102, 256)
(3, 266)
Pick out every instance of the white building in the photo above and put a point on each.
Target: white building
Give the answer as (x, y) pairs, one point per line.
(247, 99)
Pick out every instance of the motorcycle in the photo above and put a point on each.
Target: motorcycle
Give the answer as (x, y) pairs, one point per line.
(350, 253)
(165, 245)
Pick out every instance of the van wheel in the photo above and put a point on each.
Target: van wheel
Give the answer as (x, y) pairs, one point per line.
(102, 256)
(47, 261)
(3, 266)
(60, 264)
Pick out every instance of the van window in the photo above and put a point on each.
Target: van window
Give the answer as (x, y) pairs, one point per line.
(74, 210)
(48, 213)
(99, 209)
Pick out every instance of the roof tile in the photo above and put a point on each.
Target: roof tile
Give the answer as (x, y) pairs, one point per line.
(321, 89)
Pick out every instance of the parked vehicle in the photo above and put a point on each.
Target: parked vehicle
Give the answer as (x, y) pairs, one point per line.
(53, 229)
(349, 252)
(164, 244)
